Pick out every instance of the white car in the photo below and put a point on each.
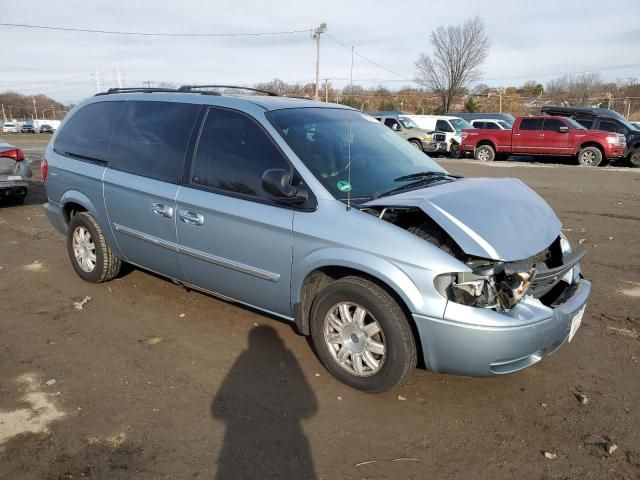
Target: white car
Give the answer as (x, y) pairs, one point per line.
(9, 127)
(451, 126)
(491, 124)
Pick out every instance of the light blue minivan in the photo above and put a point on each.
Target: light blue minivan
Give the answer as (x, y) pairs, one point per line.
(318, 214)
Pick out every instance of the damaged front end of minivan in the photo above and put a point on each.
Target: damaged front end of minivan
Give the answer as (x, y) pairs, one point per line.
(521, 294)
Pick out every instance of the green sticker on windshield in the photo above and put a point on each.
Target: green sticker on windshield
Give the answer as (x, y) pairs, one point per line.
(344, 186)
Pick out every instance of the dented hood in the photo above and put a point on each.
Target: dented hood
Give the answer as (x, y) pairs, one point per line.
(501, 219)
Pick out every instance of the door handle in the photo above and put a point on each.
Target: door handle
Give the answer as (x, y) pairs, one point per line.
(192, 218)
(516, 134)
(162, 210)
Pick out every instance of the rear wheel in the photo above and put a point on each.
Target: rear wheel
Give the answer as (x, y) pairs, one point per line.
(590, 157)
(634, 158)
(361, 335)
(90, 255)
(485, 153)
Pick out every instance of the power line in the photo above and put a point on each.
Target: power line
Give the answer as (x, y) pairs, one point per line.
(588, 70)
(153, 34)
(368, 59)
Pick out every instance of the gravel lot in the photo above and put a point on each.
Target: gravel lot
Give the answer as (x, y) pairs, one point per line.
(152, 381)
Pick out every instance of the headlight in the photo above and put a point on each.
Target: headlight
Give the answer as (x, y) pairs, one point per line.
(565, 245)
(612, 139)
(490, 287)
(426, 138)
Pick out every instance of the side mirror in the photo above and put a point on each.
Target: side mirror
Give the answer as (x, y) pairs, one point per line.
(395, 127)
(563, 129)
(277, 182)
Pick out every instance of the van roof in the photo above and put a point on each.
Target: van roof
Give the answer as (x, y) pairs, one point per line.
(271, 101)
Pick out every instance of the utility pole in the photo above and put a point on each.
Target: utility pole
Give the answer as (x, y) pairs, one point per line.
(326, 90)
(628, 108)
(118, 77)
(98, 81)
(316, 36)
(4, 117)
(34, 107)
(500, 93)
(53, 110)
(10, 115)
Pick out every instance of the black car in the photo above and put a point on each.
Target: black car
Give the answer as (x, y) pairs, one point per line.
(27, 128)
(46, 128)
(603, 119)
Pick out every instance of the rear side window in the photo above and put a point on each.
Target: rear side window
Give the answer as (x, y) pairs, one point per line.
(88, 132)
(529, 124)
(552, 124)
(585, 122)
(151, 139)
(233, 153)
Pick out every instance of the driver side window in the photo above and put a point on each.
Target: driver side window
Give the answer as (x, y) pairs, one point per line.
(443, 126)
(392, 123)
(233, 153)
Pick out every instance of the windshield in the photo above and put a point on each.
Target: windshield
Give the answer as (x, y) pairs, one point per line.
(325, 138)
(460, 124)
(574, 124)
(407, 122)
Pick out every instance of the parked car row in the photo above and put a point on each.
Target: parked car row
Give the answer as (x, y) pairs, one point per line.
(545, 135)
(12, 127)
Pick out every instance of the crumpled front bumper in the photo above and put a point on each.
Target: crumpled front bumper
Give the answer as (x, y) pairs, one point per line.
(483, 342)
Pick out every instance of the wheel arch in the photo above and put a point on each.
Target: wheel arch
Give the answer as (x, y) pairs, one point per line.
(488, 142)
(321, 276)
(592, 143)
(73, 201)
(320, 269)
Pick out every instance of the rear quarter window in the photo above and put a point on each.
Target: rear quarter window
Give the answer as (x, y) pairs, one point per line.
(529, 124)
(88, 132)
(151, 139)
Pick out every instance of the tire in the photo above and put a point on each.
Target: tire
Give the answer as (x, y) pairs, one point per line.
(417, 144)
(634, 158)
(105, 266)
(485, 153)
(16, 199)
(384, 325)
(590, 157)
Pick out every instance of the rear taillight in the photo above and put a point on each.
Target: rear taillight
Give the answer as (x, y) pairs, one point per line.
(44, 169)
(15, 154)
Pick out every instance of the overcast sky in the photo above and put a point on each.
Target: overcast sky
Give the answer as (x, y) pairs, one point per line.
(530, 40)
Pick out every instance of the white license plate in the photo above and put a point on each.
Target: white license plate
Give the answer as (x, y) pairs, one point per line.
(14, 177)
(576, 321)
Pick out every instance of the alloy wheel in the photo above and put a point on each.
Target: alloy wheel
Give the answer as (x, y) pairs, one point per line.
(84, 249)
(354, 339)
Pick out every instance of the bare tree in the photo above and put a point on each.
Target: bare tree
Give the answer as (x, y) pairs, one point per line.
(458, 52)
(573, 90)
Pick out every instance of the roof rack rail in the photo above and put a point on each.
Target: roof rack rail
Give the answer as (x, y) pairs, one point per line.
(189, 88)
(148, 90)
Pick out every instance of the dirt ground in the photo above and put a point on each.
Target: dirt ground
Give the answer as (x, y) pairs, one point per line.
(155, 382)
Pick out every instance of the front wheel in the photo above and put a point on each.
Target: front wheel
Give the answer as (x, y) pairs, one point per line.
(362, 335)
(590, 157)
(485, 153)
(416, 144)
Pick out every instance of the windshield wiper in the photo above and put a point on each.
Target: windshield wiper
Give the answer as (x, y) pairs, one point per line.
(419, 179)
(429, 174)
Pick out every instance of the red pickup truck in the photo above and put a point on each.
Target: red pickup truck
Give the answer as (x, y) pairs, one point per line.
(545, 135)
